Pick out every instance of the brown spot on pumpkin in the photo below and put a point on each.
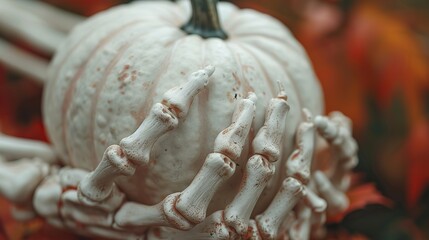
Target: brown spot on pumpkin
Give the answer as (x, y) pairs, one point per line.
(110, 110)
(123, 76)
(133, 75)
(182, 73)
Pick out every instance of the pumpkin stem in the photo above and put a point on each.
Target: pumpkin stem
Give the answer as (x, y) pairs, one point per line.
(204, 20)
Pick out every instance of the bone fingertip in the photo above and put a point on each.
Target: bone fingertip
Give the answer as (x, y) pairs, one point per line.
(308, 116)
(209, 69)
(252, 97)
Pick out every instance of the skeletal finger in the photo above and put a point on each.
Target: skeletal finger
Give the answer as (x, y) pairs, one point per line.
(136, 216)
(337, 201)
(313, 201)
(267, 141)
(299, 163)
(337, 132)
(301, 227)
(179, 99)
(269, 221)
(258, 173)
(98, 185)
(218, 166)
(230, 142)
(259, 167)
(164, 117)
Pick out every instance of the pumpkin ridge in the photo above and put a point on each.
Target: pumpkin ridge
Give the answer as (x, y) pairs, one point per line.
(68, 95)
(101, 85)
(58, 64)
(203, 98)
(292, 80)
(288, 45)
(77, 76)
(149, 99)
(247, 87)
(263, 70)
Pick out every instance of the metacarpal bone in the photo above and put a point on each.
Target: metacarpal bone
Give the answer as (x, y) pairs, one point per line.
(72, 209)
(258, 172)
(138, 216)
(194, 200)
(270, 220)
(97, 185)
(268, 140)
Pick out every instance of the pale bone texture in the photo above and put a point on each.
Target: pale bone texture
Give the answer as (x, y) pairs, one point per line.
(132, 108)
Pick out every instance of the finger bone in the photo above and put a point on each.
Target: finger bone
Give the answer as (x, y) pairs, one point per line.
(179, 99)
(299, 163)
(313, 201)
(138, 216)
(194, 200)
(258, 173)
(230, 141)
(73, 210)
(97, 186)
(138, 145)
(268, 139)
(270, 220)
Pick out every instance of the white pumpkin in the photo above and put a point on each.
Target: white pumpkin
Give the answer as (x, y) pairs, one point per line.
(113, 67)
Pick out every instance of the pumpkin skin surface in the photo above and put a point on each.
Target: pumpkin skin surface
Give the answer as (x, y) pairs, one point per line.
(115, 66)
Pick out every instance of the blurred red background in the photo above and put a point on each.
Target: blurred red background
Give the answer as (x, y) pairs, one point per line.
(372, 58)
